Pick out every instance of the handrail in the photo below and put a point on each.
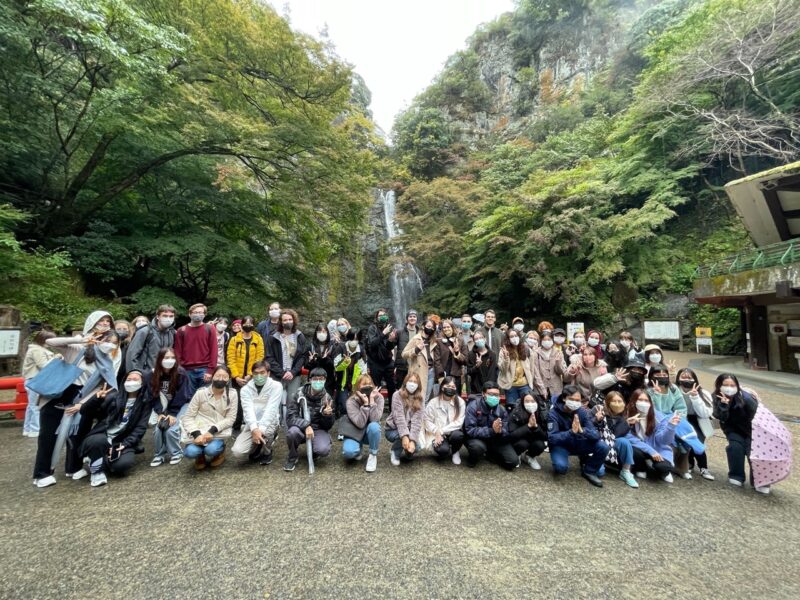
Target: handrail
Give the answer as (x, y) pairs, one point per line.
(782, 254)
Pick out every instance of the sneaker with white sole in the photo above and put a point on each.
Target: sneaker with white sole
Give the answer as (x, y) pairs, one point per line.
(176, 459)
(735, 482)
(533, 463)
(641, 474)
(395, 460)
(762, 490)
(667, 478)
(45, 481)
(99, 479)
(706, 474)
(157, 461)
(628, 478)
(456, 458)
(80, 474)
(372, 463)
(686, 475)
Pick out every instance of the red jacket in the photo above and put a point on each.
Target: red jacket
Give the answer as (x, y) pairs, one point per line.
(196, 347)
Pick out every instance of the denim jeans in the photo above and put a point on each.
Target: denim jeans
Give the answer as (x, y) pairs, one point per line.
(514, 394)
(737, 451)
(196, 376)
(213, 449)
(31, 424)
(393, 436)
(351, 448)
(169, 441)
(624, 451)
(559, 456)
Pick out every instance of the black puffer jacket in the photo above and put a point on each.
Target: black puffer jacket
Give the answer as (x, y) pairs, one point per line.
(110, 411)
(379, 348)
(518, 423)
(294, 410)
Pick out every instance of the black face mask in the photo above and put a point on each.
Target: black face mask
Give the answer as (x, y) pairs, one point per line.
(218, 384)
(636, 377)
(122, 335)
(662, 381)
(428, 331)
(247, 328)
(449, 392)
(687, 385)
(287, 326)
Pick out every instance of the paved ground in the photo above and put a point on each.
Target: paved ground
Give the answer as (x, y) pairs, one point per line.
(424, 530)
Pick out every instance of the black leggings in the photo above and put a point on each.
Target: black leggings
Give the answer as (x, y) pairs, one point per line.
(660, 468)
(702, 459)
(49, 419)
(451, 443)
(96, 446)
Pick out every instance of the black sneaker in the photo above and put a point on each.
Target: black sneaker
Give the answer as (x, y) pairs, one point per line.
(291, 463)
(139, 449)
(593, 479)
(266, 459)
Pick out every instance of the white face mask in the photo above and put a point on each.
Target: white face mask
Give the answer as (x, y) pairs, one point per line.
(107, 347)
(655, 358)
(643, 407)
(166, 321)
(579, 341)
(532, 342)
(530, 407)
(573, 405)
(729, 390)
(352, 346)
(133, 386)
(168, 363)
(221, 327)
(559, 339)
(322, 337)
(593, 342)
(411, 387)
(519, 326)
(625, 344)
(547, 344)
(514, 341)
(274, 313)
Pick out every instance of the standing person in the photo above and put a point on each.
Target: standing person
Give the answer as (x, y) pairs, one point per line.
(631, 348)
(381, 341)
(208, 421)
(735, 410)
(272, 323)
(361, 424)
(349, 363)
(700, 408)
(287, 353)
(527, 433)
(196, 347)
(532, 340)
(492, 335)
(468, 337)
(223, 337)
(614, 426)
(571, 432)
(584, 370)
(323, 349)
(594, 339)
(516, 368)
(121, 424)
(404, 424)
(422, 354)
(315, 427)
(36, 357)
(453, 354)
(444, 421)
(481, 364)
(652, 436)
(139, 322)
(486, 429)
(559, 339)
(170, 393)
(403, 336)
(149, 340)
(261, 405)
(548, 368)
(123, 329)
(244, 350)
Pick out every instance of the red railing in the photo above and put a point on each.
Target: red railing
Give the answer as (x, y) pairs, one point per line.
(20, 403)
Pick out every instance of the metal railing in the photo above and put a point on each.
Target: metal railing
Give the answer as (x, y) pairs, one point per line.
(773, 255)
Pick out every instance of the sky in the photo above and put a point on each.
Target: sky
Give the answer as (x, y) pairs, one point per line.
(397, 46)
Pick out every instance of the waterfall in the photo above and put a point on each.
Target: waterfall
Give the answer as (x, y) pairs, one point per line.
(405, 282)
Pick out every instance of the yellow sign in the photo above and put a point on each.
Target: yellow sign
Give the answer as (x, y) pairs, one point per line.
(702, 332)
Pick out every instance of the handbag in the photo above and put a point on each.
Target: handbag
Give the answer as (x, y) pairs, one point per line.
(346, 428)
(56, 376)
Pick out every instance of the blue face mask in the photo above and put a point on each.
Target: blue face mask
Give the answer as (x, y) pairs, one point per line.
(341, 328)
(317, 386)
(492, 400)
(480, 343)
(466, 326)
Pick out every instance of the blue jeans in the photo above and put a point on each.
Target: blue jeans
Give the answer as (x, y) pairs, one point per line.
(196, 377)
(213, 449)
(397, 445)
(169, 441)
(624, 451)
(351, 448)
(515, 394)
(31, 424)
(559, 456)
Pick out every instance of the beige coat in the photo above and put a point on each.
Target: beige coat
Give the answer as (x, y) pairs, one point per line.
(548, 371)
(505, 379)
(418, 362)
(205, 412)
(440, 417)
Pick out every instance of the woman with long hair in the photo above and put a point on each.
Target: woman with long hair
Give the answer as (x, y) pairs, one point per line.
(170, 393)
(652, 436)
(404, 426)
(444, 420)
(516, 369)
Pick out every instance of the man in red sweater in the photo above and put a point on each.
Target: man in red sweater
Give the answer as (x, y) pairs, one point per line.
(196, 347)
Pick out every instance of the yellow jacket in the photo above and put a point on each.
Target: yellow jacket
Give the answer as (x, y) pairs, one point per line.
(236, 352)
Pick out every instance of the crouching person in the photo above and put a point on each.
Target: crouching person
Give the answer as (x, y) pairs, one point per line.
(121, 423)
(528, 436)
(571, 432)
(261, 407)
(486, 427)
(208, 421)
(314, 427)
(362, 423)
(404, 423)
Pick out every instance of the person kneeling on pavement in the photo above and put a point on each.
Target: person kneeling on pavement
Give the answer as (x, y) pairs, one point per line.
(208, 421)
(362, 422)
(571, 432)
(261, 408)
(314, 427)
(121, 425)
(486, 426)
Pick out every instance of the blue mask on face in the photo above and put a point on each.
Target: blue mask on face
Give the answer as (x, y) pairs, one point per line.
(317, 386)
(466, 326)
(492, 400)
(480, 343)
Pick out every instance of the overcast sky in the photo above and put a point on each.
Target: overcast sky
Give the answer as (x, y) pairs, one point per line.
(397, 46)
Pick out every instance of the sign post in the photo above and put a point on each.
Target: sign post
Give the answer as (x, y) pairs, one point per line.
(663, 330)
(702, 337)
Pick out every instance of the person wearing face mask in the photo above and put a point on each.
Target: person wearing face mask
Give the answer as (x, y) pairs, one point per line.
(452, 355)
(654, 356)
(481, 364)
(272, 323)
(139, 322)
(549, 368)
(170, 393)
(404, 335)
(630, 347)
(652, 436)
(208, 420)
(516, 368)
(261, 405)
(518, 325)
(223, 339)
(559, 339)
(321, 354)
(148, 341)
(571, 432)
(735, 409)
(315, 429)
(577, 343)
(287, 352)
(614, 357)
(614, 426)
(667, 398)
(700, 408)
(362, 423)
(443, 422)
(422, 354)
(379, 345)
(244, 350)
(349, 363)
(486, 430)
(526, 430)
(121, 424)
(36, 358)
(404, 426)
(584, 370)
(532, 340)
(625, 381)
(196, 346)
(123, 329)
(594, 339)
(492, 335)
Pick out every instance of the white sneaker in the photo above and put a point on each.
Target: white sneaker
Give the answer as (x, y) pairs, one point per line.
(80, 474)
(99, 479)
(534, 464)
(686, 475)
(395, 460)
(667, 478)
(706, 474)
(46, 481)
(763, 490)
(176, 459)
(641, 474)
(157, 461)
(456, 458)
(372, 463)
(735, 482)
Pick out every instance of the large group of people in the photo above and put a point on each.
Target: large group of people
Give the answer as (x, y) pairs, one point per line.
(502, 394)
